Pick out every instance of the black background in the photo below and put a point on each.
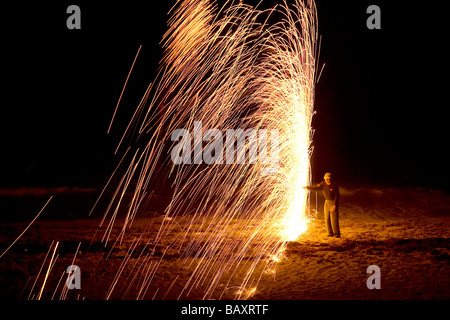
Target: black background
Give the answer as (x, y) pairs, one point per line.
(380, 119)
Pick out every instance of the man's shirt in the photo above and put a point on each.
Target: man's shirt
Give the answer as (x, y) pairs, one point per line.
(330, 192)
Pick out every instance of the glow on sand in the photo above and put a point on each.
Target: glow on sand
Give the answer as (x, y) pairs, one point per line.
(229, 68)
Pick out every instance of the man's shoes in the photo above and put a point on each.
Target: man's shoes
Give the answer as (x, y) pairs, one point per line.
(330, 235)
(337, 235)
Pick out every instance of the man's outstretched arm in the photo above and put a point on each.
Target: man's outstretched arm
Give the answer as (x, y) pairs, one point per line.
(315, 188)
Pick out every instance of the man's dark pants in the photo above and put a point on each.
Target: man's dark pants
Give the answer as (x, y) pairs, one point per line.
(331, 219)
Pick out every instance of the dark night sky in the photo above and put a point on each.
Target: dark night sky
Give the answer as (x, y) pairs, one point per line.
(379, 119)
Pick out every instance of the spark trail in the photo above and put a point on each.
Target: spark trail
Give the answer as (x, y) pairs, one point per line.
(226, 68)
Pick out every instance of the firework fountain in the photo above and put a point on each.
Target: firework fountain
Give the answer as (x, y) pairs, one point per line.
(227, 74)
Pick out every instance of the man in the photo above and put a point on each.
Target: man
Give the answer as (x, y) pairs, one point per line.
(330, 191)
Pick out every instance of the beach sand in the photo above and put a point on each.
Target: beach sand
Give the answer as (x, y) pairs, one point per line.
(405, 232)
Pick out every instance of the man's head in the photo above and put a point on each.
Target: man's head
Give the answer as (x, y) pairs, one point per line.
(328, 178)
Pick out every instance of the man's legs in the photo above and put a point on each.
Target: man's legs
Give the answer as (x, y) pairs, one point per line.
(326, 213)
(335, 223)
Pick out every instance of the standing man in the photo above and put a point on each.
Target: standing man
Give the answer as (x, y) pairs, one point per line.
(330, 191)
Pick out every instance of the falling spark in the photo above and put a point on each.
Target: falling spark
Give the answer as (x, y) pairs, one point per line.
(123, 89)
(25, 230)
(39, 273)
(50, 266)
(226, 69)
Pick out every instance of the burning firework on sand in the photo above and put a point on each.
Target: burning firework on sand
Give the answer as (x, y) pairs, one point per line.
(227, 70)
(227, 123)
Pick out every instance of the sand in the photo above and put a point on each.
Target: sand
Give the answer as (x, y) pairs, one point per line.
(405, 232)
